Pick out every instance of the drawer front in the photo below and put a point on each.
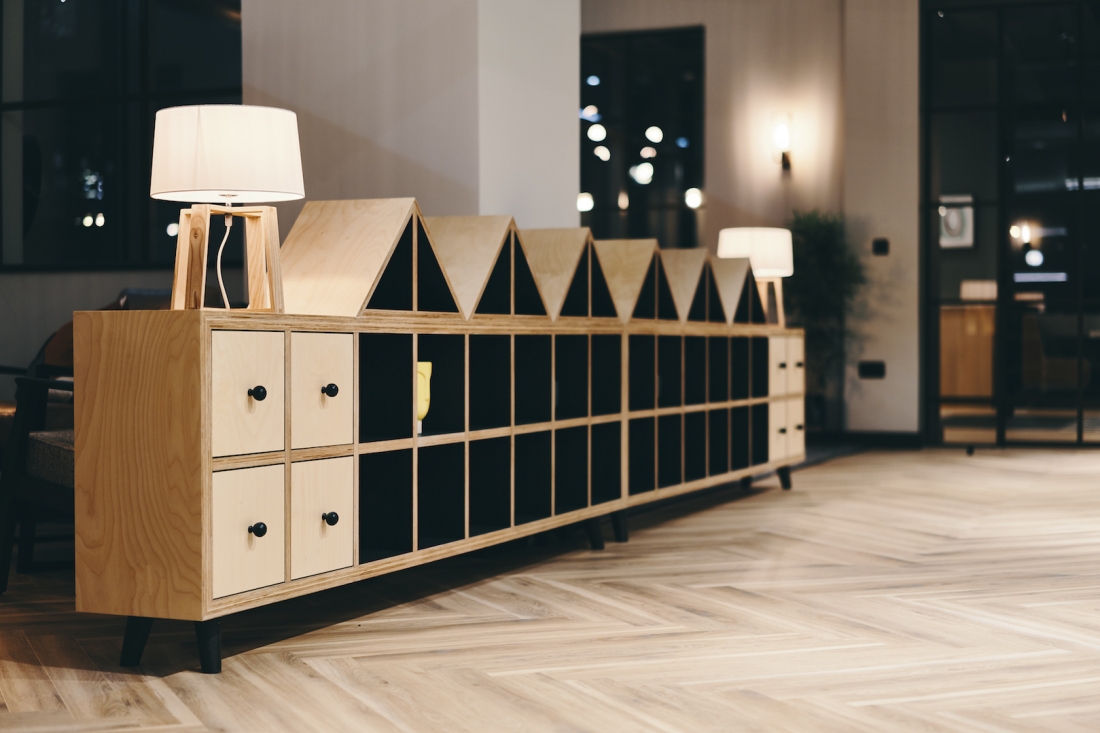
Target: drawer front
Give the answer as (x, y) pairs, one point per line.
(242, 499)
(322, 389)
(777, 365)
(778, 431)
(796, 427)
(244, 361)
(796, 366)
(317, 490)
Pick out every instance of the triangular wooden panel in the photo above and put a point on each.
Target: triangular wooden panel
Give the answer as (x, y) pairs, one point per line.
(576, 300)
(394, 290)
(527, 301)
(433, 291)
(625, 263)
(646, 306)
(496, 298)
(336, 252)
(757, 312)
(729, 279)
(715, 312)
(683, 267)
(468, 247)
(553, 255)
(698, 310)
(602, 305)
(666, 306)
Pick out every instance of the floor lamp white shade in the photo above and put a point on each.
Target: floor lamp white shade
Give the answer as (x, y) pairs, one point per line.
(226, 153)
(769, 249)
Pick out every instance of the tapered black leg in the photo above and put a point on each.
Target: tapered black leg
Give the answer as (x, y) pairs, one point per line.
(618, 524)
(784, 477)
(594, 528)
(209, 636)
(133, 642)
(7, 539)
(746, 483)
(27, 525)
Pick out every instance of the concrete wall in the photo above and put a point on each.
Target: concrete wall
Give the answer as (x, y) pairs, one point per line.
(881, 199)
(763, 58)
(468, 105)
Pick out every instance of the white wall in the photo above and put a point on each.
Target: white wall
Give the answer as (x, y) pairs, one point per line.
(459, 103)
(881, 199)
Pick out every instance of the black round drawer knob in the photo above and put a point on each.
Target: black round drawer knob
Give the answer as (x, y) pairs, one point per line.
(331, 390)
(331, 518)
(783, 431)
(258, 393)
(782, 365)
(259, 529)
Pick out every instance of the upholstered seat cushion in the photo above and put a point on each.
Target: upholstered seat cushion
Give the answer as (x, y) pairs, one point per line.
(51, 457)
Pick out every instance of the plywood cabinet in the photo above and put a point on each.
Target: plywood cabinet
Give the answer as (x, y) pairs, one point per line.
(247, 529)
(247, 387)
(321, 518)
(322, 391)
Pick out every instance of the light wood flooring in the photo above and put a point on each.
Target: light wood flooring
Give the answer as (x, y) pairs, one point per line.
(888, 591)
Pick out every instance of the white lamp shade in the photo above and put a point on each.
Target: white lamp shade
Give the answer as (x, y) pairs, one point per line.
(226, 153)
(769, 250)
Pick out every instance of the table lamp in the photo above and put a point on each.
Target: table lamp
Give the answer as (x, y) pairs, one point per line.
(214, 156)
(771, 256)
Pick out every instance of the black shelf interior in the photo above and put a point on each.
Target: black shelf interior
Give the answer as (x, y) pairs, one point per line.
(666, 306)
(490, 485)
(718, 352)
(718, 438)
(669, 371)
(739, 368)
(576, 299)
(432, 291)
(759, 434)
(645, 307)
(571, 365)
(395, 290)
(739, 438)
(447, 353)
(759, 366)
(695, 445)
(441, 494)
(490, 381)
(528, 302)
(602, 304)
(385, 505)
(715, 312)
(533, 395)
(695, 370)
(642, 441)
(607, 374)
(385, 386)
(669, 439)
(698, 310)
(532, 477)
(497, 296)
(606, 463)
(643, 375)
(571, 469)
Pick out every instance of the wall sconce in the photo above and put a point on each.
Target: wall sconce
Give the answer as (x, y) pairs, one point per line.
(781, 136)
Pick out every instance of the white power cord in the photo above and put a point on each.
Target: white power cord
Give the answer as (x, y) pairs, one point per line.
(221, 283)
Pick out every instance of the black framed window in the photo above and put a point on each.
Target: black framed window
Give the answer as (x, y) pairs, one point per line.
(81, 83)
(642, 106)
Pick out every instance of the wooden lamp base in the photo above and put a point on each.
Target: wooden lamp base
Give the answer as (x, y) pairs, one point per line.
(771, 295)
(261, 238)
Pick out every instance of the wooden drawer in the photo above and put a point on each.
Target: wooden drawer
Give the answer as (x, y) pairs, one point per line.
(317, 489)
(778, 431)
(244, 362)
(796, 366)
(320, 362)
(796, 427)
(242, 499)
(777, 365)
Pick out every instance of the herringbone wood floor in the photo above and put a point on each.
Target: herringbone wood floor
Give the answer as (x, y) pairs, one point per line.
(889, 591)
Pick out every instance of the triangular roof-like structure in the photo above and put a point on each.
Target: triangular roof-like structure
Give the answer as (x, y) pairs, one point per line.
(553, 255)
(625, 263)
(468, 248)
(337, 251)
(729, 277)
(682, 268)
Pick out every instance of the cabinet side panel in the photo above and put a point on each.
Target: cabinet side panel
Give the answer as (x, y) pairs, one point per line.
(139, 451)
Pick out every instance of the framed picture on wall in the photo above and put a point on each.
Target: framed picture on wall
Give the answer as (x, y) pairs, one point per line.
(957, 221)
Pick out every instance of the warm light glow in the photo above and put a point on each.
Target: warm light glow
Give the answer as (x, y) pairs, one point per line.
(593, 81)
(943, 212)
(585, 202)
(648, 152)
(1025, 234)
(624, 201)
(1013, 231)
(1033, 257)
(769, 250)
(654, 134)
(172, 229)
(781, 133)
(642, 173)
(602, 153)
(597, 133)
(99, 220)
(87, 220)
(590, 111)
(693, 197)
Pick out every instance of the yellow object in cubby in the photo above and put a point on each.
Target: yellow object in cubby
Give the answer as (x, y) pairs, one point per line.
(423, 388)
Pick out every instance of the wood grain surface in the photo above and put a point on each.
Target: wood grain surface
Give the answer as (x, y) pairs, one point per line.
(553, 255)
(682, 268)
(625, 263)
(467, 248)
(893, 591)
(729, 278)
